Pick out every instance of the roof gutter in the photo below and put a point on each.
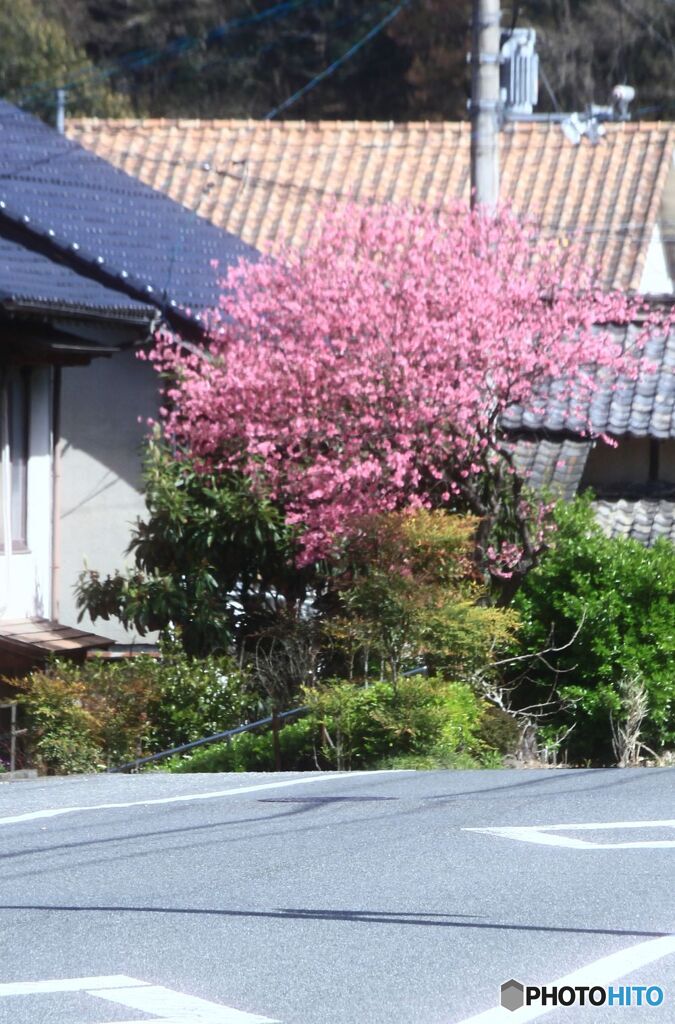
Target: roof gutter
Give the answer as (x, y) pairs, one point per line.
(37, 307)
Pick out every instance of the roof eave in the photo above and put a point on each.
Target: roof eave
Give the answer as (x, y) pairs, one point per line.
(133, 317)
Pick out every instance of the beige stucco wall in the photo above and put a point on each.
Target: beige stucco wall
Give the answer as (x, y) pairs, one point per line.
(100, 471)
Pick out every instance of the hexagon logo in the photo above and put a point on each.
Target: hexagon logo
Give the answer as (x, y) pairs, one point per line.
(513, 995)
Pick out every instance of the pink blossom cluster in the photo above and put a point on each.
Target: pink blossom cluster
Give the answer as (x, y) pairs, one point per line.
(369, 371)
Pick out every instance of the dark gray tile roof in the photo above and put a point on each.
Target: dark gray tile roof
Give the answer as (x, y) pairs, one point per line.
(73, 206)
(646, 520)
(554, 465)
(28, 278)
(644, 407)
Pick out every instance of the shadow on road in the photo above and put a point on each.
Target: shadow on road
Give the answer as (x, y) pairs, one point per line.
(420, 919)
(621, 778)
(157, 833)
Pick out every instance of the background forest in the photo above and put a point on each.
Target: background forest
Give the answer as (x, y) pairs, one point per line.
(241, 58)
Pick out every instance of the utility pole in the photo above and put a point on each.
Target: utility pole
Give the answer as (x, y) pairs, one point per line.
(485, 47)
(61, 98)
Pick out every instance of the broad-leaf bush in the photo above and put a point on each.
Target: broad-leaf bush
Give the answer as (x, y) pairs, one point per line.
(409, 593)
(101, 713)
(207, 554)
(620, 596)
(63, 734)
(361, 726)
(427, 722)
(254, 752)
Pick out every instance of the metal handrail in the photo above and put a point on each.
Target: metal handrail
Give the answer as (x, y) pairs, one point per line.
(13, 733)
(226, 735)
(229, 733)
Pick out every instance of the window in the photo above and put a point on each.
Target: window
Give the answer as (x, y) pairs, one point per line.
(14, 441)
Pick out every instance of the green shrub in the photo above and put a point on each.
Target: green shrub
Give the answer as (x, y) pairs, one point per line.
(409, 593)
(105, 712)
(196, 697)
(442, 760)
(62, 732)
(203, 537)
(254, 752)
(620, 596)
(419, 722)
(361, 726)
(499, 731)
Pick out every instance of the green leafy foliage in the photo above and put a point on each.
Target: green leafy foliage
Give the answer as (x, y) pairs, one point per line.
(36, 50)
(499, 730)
(254, 752)
(196, 697)
(100, 713)
(62, 731)
(410, 593)
(424, 722)
(208, 556)
(361, 726)
(620, 596)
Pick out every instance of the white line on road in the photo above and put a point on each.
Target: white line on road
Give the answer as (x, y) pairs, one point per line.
(541, 834)
(165, 1005)
(37, 988)
(600, 972)
(54, 812)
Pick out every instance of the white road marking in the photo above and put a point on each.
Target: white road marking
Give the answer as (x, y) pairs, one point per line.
(54, 812)
(36, 988)
(542, 834)
(171, 1006)
(600, 972)
(164, 1004)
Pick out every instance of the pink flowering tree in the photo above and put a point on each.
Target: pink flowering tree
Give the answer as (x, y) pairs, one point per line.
(370, 371)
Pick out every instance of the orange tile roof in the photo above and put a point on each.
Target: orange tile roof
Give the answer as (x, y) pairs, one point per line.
(262, 180)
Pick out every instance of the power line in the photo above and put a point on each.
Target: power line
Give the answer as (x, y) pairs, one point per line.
(288, 4)
(177, 48)
(461, 140)
(332, 68)
(339, 23)
(313, 83)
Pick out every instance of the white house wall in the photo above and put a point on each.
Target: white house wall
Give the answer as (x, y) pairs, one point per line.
(656, 278)
(659, 269)
(100, 499)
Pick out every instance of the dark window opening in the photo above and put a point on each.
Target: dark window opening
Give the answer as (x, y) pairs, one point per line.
(654, 468)
(14, 447)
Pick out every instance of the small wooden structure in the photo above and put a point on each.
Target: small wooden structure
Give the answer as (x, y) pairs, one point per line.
(27, 643)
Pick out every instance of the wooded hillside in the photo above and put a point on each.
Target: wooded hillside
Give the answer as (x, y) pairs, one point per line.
(226, 58)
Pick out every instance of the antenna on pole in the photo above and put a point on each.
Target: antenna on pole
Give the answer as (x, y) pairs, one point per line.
(485, 97)
(61, 96)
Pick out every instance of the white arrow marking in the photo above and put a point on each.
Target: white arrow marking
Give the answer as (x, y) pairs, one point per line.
(541, 834)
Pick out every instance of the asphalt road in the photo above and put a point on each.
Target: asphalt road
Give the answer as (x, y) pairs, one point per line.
(334, 899)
